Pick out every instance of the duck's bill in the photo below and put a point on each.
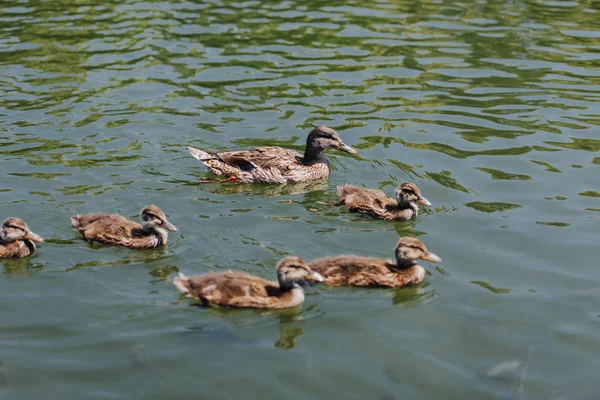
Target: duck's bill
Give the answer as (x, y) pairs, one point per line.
(423, 201)
(432, 257)
(32, 236)
(314, 277)
(346, 148)
(168, 226)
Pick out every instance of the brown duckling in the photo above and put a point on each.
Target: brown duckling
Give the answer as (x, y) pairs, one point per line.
(275, 164)
(364, 271)
(16, 240)
(238, 289)
(377, 204)
(115, 229)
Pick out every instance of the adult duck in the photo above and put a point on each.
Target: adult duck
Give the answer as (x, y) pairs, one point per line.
(238, 289)
(275, 164)
(353, 270)
(118, 230)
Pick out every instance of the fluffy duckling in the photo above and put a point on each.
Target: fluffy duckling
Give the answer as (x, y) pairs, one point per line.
(237, 289)
(363, 271)
(275, 164)
(377, 204)
(115, 229)
(16, 240)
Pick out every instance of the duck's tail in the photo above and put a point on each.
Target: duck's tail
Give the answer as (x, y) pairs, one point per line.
(344, 191)
(76, 221)
(214, 163)
(181, 283)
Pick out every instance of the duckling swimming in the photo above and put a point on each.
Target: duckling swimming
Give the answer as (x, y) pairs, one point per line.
(118, 230)
(377, 204)
(16, 240)
(364, 271)
(275, 164)
(238, 289)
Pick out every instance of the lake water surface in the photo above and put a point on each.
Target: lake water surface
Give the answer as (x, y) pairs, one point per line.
(491, 107)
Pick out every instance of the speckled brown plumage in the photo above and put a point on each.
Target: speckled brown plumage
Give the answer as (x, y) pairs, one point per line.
(275, 164)
(354, 270)
(117, 230)
(238, 289)
(16, 240)
(377, 204)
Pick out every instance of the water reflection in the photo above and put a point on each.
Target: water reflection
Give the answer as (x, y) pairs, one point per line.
(21, 266)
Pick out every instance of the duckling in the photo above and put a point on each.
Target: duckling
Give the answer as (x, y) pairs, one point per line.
(377, 204)
(16, 240)
(364, 271)
(275, 164)
(237, 289)
(115, 229)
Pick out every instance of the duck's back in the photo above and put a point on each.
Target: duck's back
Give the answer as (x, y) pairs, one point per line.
(264, 157)
(372, 202)
(362, 271)
(234, 289)
(108, 228)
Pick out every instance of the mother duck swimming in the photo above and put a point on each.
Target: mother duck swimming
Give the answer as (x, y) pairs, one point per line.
(275, 164)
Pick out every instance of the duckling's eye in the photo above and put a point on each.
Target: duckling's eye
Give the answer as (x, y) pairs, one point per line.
(148, 217)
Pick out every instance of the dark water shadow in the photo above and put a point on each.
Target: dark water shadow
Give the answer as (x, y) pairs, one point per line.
(21, 266)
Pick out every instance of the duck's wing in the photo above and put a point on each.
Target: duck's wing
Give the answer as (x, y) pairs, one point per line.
(114, 229)
(359, 271)
(368, 201)
(363, 195)
(342, 269)
(81, 221)
(9, 249)
(235, 289)
(262, 157)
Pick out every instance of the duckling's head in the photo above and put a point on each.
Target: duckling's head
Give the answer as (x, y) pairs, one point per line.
(293, 269)
(323, 138)
(14, 229)
(408, 194)
(410, 249)
(154, 218)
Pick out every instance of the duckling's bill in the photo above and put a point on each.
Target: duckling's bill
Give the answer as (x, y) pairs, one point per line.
(32, 236)
(423, 201)
(432, 257)
(168, 226)
(344, 147)
(314, 276)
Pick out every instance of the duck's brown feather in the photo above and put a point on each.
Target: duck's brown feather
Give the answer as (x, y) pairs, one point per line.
(237, 289)
(115, 229)
(372, 202)
(273, 165)
(365, 271)
(18, 248)
(263, 157)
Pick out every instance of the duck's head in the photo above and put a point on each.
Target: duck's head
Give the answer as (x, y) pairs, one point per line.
(409, 249)
(323, 138)
(408, 194)
(154, 218)
(293, 269)
(14, 229)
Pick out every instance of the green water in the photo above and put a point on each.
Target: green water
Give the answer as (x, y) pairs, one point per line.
(491, 107)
